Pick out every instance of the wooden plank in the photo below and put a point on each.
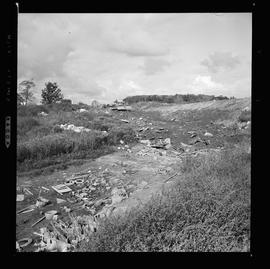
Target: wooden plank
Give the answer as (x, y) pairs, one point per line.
(57, 191)
(78, 177)
(39, 220)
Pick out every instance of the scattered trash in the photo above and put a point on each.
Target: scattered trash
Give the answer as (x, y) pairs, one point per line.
(60, 201)
(72, 127)
(42, 202)
(45, 188)
(146, 142)
(195, 140)
(126, 121)
(24, 242)
(166, 144)
(20, 197)
(42, 114)
(49, 241)
(208, 134)
(29, 210)
(122, 108)
(246, 109)
(49, 214)
(69, 183)
(61, 188)
(38, 221)
(121, 141)
(30, 207)
(79, 181)
(25, 189)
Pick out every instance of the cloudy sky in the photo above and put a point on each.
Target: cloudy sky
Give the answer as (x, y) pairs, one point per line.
(111, 56)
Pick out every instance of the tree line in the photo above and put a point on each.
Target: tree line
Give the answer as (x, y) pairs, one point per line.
(177, 98)
(49, 95)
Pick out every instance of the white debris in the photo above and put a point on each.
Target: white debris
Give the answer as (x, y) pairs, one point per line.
(208, 134)
(20, 197)
(167, 142)
(60, 201)
(72, 127)
(82, 110)
(42, 114)
(146, 142)
(246, 108)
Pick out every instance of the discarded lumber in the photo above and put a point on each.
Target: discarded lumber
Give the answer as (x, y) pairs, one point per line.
(24, 209)
(28, 191)
(45, 188)
(39, 220)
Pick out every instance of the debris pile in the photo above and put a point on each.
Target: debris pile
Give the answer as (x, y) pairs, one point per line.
(43, 114)
(82, 110)
(72, 127)
(243, 125)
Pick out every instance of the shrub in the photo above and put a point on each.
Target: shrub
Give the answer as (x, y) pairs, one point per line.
(31, 110)
(118, 133)
(245, 116)
(25, 124)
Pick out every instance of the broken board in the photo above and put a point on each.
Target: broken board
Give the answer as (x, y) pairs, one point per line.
(61, 188)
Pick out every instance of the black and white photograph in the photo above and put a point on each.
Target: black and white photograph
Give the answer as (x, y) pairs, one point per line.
(133, 132)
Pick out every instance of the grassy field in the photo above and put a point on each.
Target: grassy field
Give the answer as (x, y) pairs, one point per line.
(208, 209)
(41, 142)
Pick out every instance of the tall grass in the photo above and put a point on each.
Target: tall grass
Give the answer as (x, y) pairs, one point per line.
(25, 124)
(67, 142)
(208, 210)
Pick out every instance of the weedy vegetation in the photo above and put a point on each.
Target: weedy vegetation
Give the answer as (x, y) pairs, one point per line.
(41, 142)
(207, 210)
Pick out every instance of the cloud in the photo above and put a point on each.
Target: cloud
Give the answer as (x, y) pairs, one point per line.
(119, 37)
(41, 52)
(152, 66)
(109, 56)
(221, 61)
(205, 85)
